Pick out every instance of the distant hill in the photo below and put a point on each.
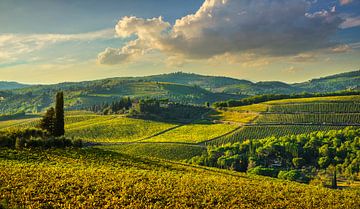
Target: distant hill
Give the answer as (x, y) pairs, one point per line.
(5, 85)
(206, 82)
(85, 94)
(179, 87)
(342, 81)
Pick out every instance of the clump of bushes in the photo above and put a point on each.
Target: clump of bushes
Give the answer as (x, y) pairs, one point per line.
(35, 138)
(259, 170)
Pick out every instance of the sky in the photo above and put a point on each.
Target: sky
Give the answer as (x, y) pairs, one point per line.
(52, 41)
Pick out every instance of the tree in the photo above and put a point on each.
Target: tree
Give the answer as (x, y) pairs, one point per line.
(48, 120)
(207, 104)
(59, 129)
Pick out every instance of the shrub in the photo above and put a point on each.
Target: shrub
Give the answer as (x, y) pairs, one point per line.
(259, 170)
(6, 141)
(27, 138)
(298, 162)
(293, 175)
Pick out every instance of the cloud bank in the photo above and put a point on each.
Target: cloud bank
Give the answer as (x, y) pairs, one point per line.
(264, 27)
(13, 45)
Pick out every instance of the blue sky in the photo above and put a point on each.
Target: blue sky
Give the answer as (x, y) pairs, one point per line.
(50, 41)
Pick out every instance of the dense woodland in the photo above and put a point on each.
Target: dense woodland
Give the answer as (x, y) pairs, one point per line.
(295, 157)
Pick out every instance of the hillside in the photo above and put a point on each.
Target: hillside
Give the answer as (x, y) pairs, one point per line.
(99, 178)
(126, 159)
(342, 81)
(85, 94)
(349, 80)
(178, 87)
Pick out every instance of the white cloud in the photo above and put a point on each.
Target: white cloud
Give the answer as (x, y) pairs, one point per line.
(229, 26)
(305, 57)
(13, 45)
(341, 48)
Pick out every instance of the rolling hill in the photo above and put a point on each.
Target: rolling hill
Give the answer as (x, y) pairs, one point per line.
(178, 87)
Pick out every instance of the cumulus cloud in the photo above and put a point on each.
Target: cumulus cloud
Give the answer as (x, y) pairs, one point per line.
(266, 28)
(12, 45)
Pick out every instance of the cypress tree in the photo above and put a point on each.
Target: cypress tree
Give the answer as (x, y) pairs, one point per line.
(48, 120)
(59, 115)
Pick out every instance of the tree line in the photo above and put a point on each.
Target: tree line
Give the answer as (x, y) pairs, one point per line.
(115, 107)
(269, 97)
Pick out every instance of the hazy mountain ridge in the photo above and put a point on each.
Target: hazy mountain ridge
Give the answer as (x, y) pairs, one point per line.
(7, 85)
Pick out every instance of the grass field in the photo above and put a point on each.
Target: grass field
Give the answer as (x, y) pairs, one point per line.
(194, 133)
(96, 178)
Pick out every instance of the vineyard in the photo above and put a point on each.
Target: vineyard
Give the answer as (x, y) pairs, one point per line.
(341, 99)
(262, 131)
(21, 123)
(194, 133)
(139, 163)
(348, 107)
(335, 118)
(96, 178)
(167, 151)
(234, 116)
(115, 129)
(294, 116)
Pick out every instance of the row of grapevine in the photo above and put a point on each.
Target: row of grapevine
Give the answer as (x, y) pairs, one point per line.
(259, 132)
(194, 133)
(115, 129)
(96, 178)
(167, 151)
(334, 107)
(336, 118)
